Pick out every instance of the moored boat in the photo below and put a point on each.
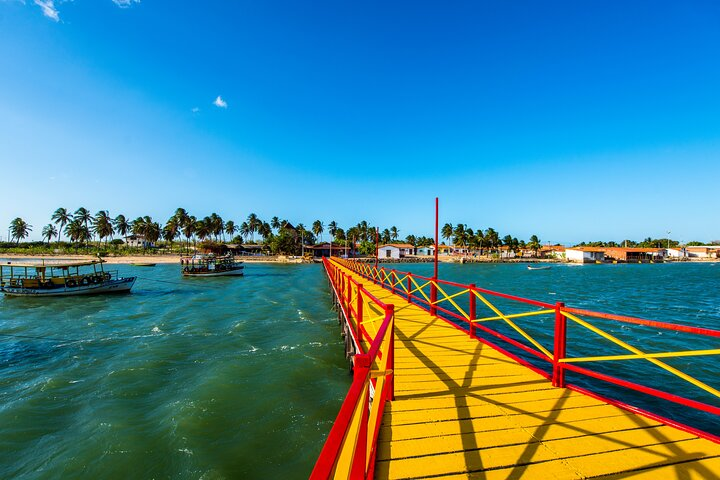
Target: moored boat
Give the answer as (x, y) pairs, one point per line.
(61, 279)
(529, 267)
(210, 265)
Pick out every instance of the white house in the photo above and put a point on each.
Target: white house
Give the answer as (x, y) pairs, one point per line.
(429, 250)
(395, 250)
(584, 255)
(676, 252)
(138, 241)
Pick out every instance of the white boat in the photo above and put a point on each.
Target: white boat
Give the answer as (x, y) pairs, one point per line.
(60, 279)
(210, 265)
(529, 267)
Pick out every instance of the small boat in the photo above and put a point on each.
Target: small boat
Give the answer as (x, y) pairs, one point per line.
(529, 267)
(61, 279)
(143, 264)
(210, 265)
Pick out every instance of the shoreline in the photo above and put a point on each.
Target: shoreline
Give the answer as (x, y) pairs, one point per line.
(282, 259)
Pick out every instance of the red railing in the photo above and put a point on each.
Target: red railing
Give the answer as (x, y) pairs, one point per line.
(349, 451)
(460, 302)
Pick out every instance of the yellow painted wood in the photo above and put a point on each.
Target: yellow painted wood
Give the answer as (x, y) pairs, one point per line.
(464, 410)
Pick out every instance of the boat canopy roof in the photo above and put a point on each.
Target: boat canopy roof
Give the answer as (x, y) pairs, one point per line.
(81, 263)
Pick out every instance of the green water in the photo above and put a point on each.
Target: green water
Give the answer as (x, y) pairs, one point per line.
(198, 378)
(242, 377)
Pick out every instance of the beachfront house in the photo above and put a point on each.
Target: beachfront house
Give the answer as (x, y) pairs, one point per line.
(584, 255)
(138, 241)
(444, 250)
(426, 251)
(552, 251)
(395, 250)
(676, 253)
(325, 250)
(633, 255)
(703, 251)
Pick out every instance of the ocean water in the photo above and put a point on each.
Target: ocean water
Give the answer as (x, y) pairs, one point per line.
(242, 377)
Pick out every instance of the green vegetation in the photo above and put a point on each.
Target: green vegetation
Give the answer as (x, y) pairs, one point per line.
(88, 234)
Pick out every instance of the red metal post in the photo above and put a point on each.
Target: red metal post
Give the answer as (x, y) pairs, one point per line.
(361, 374)
(409, 288)
(359, 315)
(559, 349)
(437, 217)
(391, 354)
(393, 277)
(377, 245)
(433, 286)
(472, 310)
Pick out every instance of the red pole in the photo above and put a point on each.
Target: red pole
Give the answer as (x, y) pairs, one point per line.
(433, 286)
(393, 277)
(559, 350)
(391, 354)
(472, 314)
(377, 235)
(361, 373)
(409, 288)
(359, 316)
(436, 237)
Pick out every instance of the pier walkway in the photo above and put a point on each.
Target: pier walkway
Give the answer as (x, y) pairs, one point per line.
(431, 400)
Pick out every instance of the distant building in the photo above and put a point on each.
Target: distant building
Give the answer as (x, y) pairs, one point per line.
(633, 255)
(324, 250)
(676, 252)
(429, 250)
(703, 251)
(584, 254)
(552, 251)
(138, 241)
(395, 250)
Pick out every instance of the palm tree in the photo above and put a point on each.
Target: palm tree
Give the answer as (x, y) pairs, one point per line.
(83, 215)
(49, 231)
(385, 236)
(447, 231)
(103, 225)
(411, 239)
(275, 223)
(492, 238)
(393, 233)
(317, 228)
(171, 230)
(188, 228)
(253, 224)
(534, 244)
(201, 229)
(230, 229)
(77, 231)
(61, 217)
(265, 230)
(460, 235)
(216, 225)
(19, 229)
(244, 230)
(332, 229)
(122, 226)
(364, 230)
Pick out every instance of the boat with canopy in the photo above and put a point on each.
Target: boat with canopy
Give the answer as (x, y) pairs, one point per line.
(52, 279)
(211, 265)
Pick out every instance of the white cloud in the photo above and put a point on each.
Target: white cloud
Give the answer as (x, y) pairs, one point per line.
(219, 102)
(195, 110)
(48, 9)
(125, 3)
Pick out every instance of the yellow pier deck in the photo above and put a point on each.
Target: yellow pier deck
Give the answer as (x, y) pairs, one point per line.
(464, 410)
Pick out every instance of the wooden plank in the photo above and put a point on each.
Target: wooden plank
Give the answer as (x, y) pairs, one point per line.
(491, 422)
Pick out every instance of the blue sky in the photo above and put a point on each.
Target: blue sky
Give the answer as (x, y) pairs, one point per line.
(570, 120)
